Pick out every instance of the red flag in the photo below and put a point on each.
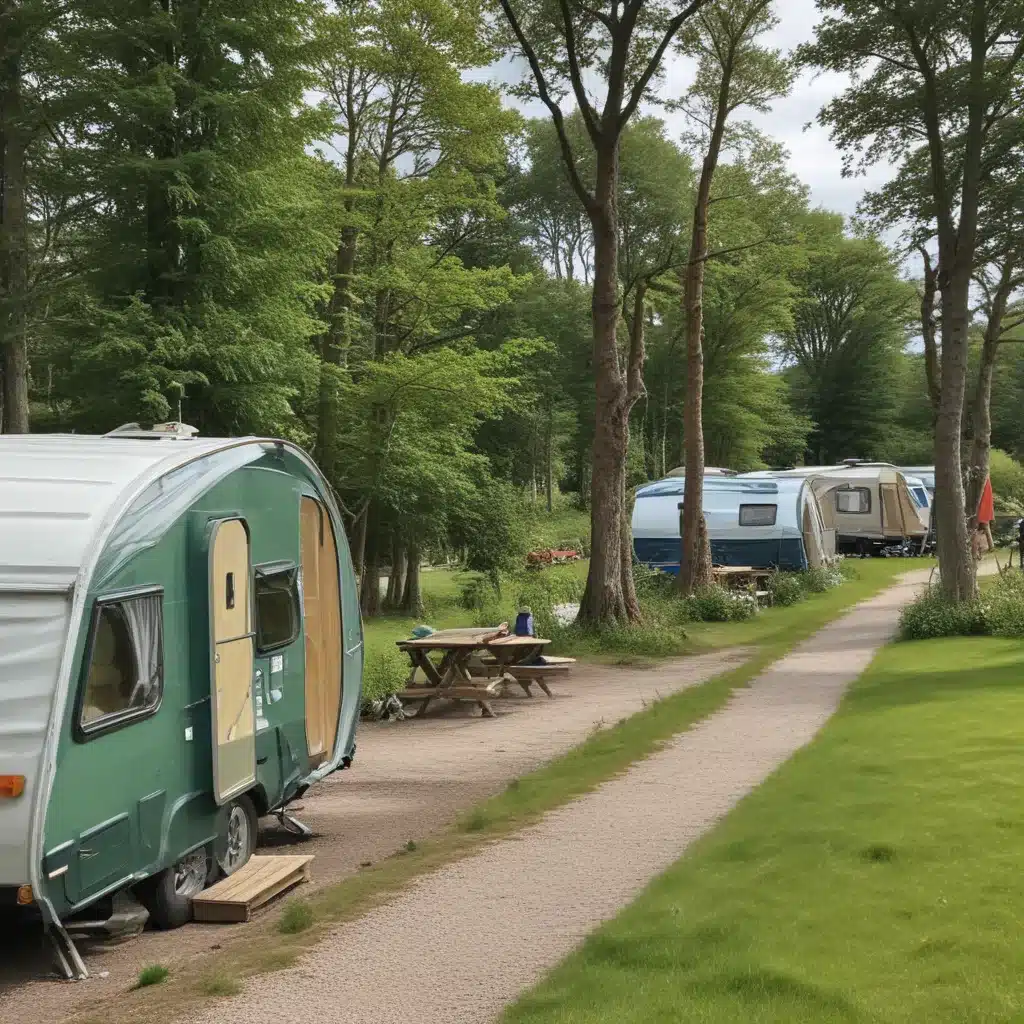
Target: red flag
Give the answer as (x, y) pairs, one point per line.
(986, 508)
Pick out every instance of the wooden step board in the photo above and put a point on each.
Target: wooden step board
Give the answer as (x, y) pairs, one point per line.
(236, 897)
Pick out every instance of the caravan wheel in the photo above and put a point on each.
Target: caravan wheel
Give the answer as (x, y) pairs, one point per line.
(168, 895)
(238, 835)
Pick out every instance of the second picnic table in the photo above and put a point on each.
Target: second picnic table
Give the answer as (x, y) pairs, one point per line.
(451, 677)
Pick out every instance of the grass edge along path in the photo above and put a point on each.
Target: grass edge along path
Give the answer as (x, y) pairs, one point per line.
(605, 754)
(873, 878)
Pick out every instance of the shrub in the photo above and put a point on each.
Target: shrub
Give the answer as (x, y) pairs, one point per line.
(786, 588)
(716, 604)
(155, 974)
(823, 577)
(385, 671)
(1003, 602)
(931, 616)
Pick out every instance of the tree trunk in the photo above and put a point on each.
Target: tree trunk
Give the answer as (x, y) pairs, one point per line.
(412, 600)
(604, 601)
(981, 415)
(956, 561)
(13, 248)
(548, 456)
(334, 346)
(359, 528)
(369, 588)
(695, 549)
(396, 579)
(931, 352)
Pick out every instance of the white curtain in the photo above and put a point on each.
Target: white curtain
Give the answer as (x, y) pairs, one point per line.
(145, 626)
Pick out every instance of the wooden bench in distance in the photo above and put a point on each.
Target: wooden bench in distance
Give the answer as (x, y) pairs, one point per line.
(235, 898)
(527, 675)
(474, 694)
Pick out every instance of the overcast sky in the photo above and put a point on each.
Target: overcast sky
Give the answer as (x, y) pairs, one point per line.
(812, 157)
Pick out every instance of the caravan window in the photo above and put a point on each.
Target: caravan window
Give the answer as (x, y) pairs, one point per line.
(758, 515)
(853, 500)
(277, 607)
(125, 675)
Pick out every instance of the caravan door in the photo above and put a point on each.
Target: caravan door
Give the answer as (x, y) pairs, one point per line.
(321, 611)
(231, 635)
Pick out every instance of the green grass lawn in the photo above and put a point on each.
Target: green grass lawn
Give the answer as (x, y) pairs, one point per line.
(874, 878)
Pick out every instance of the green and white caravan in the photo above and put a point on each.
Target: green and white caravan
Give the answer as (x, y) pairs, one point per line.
(180, 653)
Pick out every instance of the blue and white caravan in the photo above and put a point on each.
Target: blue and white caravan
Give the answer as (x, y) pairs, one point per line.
(926, 474)
(760, 523)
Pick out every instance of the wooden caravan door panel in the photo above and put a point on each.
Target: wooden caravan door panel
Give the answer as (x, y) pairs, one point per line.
(234, 714)
(322, 618)
(892, 518)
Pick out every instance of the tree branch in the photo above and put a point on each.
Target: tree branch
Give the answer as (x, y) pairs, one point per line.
(576, 77)
(556, 112)
(652, 65)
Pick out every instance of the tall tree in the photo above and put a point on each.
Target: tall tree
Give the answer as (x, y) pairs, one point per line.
(945, 75)
(623, 44)
(850, 325)
(733, 72)
(393, 75)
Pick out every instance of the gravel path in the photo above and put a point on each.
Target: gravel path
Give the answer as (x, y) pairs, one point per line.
(409, 779)
(464, 941)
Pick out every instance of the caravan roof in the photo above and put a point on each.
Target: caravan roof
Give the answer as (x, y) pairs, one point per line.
(59, 491)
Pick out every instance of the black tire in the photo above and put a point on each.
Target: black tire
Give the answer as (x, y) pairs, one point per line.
(168, 895)
(238, 825)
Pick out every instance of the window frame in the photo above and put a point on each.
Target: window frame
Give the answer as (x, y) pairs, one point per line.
(849, 489)
(758, 505)
(119, 719)
(267, 570)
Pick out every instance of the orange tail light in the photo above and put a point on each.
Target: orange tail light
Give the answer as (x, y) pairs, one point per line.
(11, 786)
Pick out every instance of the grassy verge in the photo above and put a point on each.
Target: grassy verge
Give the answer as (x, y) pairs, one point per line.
(874, 878)
(603, 755)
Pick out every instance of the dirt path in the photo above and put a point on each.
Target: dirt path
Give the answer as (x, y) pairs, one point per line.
(523, 903)
(409, 779)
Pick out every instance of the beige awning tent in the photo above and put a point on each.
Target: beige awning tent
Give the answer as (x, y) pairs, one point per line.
(869, 505)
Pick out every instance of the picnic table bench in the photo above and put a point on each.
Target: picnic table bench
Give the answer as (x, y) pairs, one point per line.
(451, 677)
(743, 576)
(526, 674)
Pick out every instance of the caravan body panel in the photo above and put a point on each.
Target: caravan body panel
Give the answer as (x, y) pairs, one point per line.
(727, 500)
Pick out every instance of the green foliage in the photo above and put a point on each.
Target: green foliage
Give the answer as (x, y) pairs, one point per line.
(932, 615)
(154, 974)
(1007, 476)
(786, 588)
(848, 332)
(385, 670)
(715, 603)
(298, 916)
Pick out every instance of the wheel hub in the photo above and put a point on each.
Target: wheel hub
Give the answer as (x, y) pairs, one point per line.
(190, 874)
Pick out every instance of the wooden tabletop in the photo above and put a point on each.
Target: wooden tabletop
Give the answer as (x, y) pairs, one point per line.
(441, 641)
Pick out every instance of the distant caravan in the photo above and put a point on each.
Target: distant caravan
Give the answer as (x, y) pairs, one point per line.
(871, 506)
(759, 523)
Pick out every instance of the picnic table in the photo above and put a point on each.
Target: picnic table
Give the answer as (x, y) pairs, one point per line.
(451, 677)
(743, 576)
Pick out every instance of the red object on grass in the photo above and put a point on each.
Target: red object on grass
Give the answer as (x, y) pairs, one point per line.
(986, 507)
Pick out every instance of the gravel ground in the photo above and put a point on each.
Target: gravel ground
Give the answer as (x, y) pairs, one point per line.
(463, 942)
(409, 779)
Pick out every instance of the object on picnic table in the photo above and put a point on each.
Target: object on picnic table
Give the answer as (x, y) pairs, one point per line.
(419, 632)
(524, 622)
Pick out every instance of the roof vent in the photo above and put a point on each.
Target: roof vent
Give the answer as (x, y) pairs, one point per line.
(159, 431)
